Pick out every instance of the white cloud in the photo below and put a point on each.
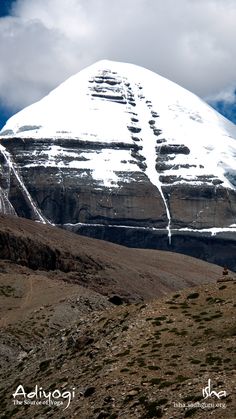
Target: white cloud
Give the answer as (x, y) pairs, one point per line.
(191, 42)
(227, 95)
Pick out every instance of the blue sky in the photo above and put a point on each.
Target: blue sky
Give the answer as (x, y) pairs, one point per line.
(5, 7)
(226, 107)
(228, 110)
(43, 42)
(5, 113)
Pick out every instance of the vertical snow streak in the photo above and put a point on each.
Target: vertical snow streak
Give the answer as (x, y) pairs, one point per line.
(5, 205)
(167, 212)
(27, 195)
(154, 179)
(124, 92)
(149, 152)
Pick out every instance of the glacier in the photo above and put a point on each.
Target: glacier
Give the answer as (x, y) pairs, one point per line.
(124, 147)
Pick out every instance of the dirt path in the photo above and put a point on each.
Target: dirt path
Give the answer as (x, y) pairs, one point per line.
(29, 294)
(26, 300)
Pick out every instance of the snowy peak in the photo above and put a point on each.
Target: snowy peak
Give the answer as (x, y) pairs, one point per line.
(112, 102)
(119, 146)
(88, 91)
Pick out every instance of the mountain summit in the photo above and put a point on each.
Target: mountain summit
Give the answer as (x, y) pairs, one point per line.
(119, 152)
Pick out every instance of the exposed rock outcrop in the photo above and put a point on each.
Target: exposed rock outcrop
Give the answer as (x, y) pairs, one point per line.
(131, 158)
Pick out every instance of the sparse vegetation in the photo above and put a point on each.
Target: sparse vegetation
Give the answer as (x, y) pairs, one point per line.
(43, 366)
(140, 358)
(193, 296)
(7, 291)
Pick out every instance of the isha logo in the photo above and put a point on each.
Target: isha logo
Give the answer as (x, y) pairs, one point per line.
(208, 392)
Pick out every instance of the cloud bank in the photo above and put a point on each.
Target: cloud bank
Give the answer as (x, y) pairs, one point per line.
(225, 103)
(191, 42)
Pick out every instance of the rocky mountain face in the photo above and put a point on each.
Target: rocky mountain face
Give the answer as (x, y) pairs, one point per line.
(119, 153)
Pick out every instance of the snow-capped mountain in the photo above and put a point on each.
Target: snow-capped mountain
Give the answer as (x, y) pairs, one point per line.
(119, 152)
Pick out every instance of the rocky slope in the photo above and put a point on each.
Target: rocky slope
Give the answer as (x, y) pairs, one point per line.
(133, 274)
(61, 329)
(120, 153)
(142, 361)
